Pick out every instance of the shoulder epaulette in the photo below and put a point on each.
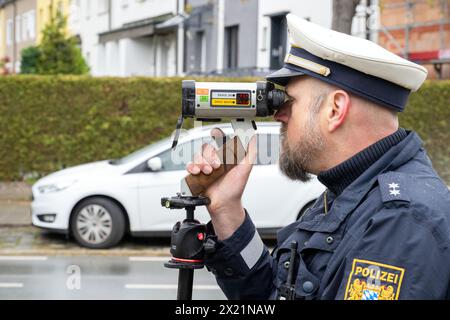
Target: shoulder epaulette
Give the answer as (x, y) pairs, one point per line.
(393, 187)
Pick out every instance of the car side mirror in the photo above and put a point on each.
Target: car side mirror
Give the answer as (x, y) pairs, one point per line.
(155, 164)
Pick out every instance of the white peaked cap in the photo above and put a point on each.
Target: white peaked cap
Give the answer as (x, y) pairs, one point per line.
(357, 53)
(353, 63)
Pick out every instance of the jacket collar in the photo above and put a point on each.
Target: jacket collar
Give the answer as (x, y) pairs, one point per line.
(341, 176)
(349, 199)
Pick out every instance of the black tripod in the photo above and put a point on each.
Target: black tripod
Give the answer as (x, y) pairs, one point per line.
(186, 242)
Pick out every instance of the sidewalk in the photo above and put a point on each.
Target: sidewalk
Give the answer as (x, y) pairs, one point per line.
(15, 213)
(15, 204)
(15, 191)
(26, 241)
(19, 237)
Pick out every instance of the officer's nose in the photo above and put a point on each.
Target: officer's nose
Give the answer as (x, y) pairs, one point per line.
(284, 112)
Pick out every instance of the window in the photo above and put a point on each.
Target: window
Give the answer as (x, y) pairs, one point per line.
(264, 39)
(278, 40)
(140, 152)
(74, 12)
(9, 32)
(268, 152)
(31, 24)
(25, 25)
(77, 7)
(88, 8)
(231, 47)
(28, 26)
(88, 58)
(18, 34)
(167, 162)
(103, 6)
(200, 52)
(182, 155)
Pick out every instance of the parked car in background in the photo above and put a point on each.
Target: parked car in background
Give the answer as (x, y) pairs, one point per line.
(97, 203)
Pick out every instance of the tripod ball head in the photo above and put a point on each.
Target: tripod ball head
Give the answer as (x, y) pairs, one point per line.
(187, 241)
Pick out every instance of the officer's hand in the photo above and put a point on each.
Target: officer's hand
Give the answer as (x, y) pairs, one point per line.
(225, 209)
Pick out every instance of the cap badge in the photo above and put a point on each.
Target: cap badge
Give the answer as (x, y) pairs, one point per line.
(307, 64)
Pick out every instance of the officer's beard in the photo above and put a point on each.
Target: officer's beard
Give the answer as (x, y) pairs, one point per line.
(296, 163)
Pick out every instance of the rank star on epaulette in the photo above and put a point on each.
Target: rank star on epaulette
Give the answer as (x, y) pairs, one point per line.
(393, 185)
(393, 189)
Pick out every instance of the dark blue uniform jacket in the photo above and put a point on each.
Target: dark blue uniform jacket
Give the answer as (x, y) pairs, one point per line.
(386, 236)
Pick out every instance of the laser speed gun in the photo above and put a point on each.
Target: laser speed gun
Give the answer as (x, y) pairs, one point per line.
(239, 103)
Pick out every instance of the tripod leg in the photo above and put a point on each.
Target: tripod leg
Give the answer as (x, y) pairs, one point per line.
(185, 281)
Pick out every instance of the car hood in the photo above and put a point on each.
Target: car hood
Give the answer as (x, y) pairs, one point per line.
(79, 172)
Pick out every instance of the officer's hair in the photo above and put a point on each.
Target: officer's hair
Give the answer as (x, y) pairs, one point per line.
(375, 109)
(324, 89)
(317, 102)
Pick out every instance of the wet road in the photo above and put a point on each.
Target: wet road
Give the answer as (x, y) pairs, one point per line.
(96, 277)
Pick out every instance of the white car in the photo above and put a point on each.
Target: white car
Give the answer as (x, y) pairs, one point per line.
(97, 203)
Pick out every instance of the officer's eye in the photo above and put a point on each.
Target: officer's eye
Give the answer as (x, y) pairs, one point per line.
(288, 99)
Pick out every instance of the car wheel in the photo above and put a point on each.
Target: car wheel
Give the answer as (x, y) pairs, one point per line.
(98, 223)
(305, 208)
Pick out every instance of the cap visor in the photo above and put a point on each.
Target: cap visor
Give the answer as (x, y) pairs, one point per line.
(282, 76)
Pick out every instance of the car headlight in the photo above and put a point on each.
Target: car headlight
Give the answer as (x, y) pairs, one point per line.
(55, 187)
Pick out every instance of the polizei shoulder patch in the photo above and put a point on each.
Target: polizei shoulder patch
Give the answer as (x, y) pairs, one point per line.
(370, 280)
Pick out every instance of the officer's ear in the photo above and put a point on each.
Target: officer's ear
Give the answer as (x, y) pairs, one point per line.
(338, 105)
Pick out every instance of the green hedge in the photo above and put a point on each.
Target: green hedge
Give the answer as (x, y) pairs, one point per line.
(53, 122)
(428, 113)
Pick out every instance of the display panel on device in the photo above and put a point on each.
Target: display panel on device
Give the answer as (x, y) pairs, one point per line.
(230, 98)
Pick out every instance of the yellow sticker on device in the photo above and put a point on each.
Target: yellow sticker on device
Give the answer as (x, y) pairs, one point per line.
(223, 102)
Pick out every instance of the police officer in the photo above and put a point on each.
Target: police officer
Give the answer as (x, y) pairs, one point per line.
(381, 229)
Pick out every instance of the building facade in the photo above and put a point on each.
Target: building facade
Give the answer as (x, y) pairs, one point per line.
(178, 37)
(243, 37)
(130, 37)
(272, 31)
(419, 31)
(2, 33)
(20, 30)
(87, 20)
(202, 36)
(212, 37)
(21, 25)
(142, 40)
(46, 9)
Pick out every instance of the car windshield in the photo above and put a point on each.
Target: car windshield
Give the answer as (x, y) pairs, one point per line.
(140, 152)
